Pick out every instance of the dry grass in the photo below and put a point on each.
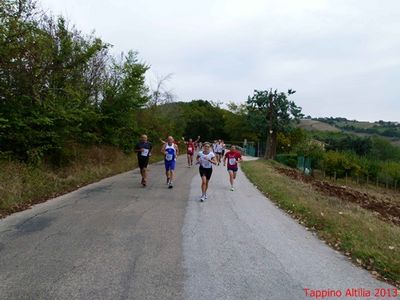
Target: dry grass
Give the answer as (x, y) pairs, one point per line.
(369, 241)
(317, 125)
(22, 185)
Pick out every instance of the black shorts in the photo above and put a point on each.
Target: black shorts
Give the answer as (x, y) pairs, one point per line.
(205, 172)
(233, 169)
(143, 161)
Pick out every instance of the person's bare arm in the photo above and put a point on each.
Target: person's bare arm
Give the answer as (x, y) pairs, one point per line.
(213, 160)
(163, 149)
(162, 141)
(198, 139)
(177, 150)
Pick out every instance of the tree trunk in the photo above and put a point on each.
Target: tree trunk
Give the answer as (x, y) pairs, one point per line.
(267, 154)
(270, 152)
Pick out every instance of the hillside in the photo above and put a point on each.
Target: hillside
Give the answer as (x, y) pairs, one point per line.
(317, 125)
(387, 130)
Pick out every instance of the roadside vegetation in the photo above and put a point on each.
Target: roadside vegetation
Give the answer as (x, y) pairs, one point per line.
(362, 234)
(71, 113)
(22, 185)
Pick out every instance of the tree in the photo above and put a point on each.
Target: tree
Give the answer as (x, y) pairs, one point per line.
(159, 92)
(271, 112)
(124, 94)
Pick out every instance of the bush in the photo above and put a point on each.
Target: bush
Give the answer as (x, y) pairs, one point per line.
(341, 164)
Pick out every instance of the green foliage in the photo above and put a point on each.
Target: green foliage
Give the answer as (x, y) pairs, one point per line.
(204, 118)
(125, 93)
(381, 128)
(311, 148)
(291, 139)
(270, 113)
(266, 105)
(58, 86)
(337, 141)
(382, 149)
(289, 160)
(340, 163)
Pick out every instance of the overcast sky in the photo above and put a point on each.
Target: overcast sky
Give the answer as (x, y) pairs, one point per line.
(341, 56)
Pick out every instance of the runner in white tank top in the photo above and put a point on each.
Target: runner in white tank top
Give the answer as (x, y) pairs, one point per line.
(205, 159)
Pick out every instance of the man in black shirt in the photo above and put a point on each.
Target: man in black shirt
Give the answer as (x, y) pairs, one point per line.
(143, 149)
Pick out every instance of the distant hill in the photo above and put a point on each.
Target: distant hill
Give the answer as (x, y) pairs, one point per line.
(317, 125)
(388, 130)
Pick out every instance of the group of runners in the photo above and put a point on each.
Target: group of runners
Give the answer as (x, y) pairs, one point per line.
(207, 156)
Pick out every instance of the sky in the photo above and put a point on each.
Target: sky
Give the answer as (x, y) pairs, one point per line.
(341, 56)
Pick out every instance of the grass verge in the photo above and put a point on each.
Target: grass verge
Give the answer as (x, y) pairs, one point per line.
(22, 186)
(360, 234)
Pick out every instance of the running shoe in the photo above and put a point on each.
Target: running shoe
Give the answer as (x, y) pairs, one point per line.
(170, 186)
(205, 196)
(232, 189)
(202, 198)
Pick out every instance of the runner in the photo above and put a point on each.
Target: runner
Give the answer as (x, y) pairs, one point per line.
(190, 148)
(233, 157)
(206, 159)
(170, 151)
(214, 146)
(143, 149)
(218, 151)
(223, 147)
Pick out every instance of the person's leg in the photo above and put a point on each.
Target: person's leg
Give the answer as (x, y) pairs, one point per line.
(231, 177)
(204, 185)
(172, 169)
(208, 177)
(188, 159)
(144, 174)
(167, 172)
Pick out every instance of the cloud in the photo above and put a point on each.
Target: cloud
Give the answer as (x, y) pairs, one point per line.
(340, 55)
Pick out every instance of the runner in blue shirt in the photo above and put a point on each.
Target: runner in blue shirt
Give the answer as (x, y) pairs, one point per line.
(170, 151)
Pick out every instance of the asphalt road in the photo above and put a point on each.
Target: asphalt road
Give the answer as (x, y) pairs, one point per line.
(116, 240)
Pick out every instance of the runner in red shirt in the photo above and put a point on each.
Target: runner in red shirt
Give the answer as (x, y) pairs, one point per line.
(233, 157)
(190, 148)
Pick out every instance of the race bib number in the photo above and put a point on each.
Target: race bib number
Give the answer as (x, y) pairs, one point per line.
(190, 149)
(145, 152)
(169, 157)
(232, 161)
(205, 163)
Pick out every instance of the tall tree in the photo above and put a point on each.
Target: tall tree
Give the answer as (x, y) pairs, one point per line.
(271, 112)
(125, 93)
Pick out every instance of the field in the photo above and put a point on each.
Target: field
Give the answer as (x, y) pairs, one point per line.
(364, 226)
(317, 125)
